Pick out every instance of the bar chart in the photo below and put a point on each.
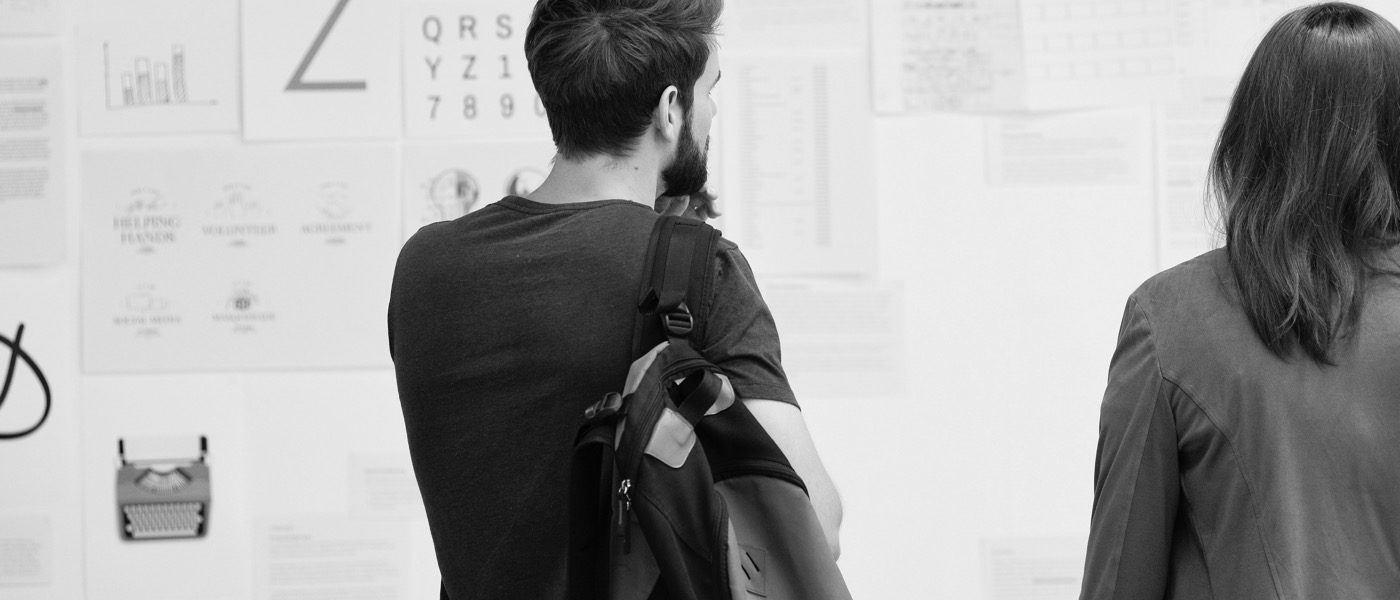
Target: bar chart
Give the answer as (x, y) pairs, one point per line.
(144, 82)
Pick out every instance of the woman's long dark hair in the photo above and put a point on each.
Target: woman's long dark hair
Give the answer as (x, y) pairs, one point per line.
(1307, 170)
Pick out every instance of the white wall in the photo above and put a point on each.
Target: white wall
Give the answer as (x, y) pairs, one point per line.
(970, 458)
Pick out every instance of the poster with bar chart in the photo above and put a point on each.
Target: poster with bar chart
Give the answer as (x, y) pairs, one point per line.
(158, 66)
(149, 83)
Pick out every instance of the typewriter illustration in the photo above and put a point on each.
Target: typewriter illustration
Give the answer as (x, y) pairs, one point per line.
(162, 497)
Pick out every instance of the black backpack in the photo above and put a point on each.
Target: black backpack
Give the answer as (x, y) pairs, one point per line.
(677, 492)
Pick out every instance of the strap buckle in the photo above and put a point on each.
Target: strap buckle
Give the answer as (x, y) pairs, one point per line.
(610, 405)
(679, 322)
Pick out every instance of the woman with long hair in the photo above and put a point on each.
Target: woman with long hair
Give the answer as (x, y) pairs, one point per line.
(1249, 442)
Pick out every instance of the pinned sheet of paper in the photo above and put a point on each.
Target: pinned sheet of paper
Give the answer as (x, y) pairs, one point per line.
(794, 24)
(946, 56)
(318, 558)
(321, 69)
(1186, 131)
(30, 17)
(1080, 149)
(26, 551)
(158, 66)
(178, 242)
(1008, 55)
(840, 338)
(383, 486)
(1032, 568)
(799, 150)
(32, 175)
(465, 74)
(1092, 53)
(164, 424)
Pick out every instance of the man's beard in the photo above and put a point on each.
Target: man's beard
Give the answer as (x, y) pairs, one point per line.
(687, 174)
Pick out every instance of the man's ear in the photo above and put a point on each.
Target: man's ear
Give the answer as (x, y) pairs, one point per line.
(668, 117)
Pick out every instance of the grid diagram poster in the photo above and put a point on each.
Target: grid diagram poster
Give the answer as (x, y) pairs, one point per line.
(1016, 55)
(237, 258)
(465, 74)
(158, 66)
(320, 69)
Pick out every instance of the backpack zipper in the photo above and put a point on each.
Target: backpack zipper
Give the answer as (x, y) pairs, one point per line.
(636, 443)
(624, 511)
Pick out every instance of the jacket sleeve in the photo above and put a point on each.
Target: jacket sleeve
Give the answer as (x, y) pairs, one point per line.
(1136, 478)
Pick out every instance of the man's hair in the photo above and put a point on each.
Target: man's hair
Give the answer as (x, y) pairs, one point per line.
(1306, 171)
(599, 66)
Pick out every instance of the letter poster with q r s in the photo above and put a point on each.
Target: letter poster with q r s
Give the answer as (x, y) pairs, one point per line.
(464, 71)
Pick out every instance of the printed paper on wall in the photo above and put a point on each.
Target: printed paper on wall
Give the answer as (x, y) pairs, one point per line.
(1005, 55)
(1186, 131)
(158, 66)
(30, 17)
(798, 161)
(312, 559)
(320, 69)
(840, 339)
(32, 202)
(794, 24)
(26, 551)
(165, 420)
(465, 74)
(1032, 568)
(1071, 149)
(216, 259)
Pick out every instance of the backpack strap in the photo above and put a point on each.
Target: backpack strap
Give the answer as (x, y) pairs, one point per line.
(676, 277)
(675, 292)
(676, 284)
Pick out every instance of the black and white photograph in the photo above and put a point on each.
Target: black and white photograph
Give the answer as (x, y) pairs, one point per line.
(699, 299)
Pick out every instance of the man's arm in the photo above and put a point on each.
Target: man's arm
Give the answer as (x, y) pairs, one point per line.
(784, 423)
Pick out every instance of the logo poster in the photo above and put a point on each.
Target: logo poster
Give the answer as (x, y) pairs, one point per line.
(251, 258)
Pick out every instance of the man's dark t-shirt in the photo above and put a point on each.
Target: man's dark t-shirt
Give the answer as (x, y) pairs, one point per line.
(504, 325)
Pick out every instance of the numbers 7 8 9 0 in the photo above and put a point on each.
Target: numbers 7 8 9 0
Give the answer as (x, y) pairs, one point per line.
(472, 106)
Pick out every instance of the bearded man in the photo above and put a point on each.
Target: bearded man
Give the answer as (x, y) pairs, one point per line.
(505, 324)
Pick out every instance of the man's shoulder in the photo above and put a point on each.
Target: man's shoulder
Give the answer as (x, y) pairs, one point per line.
(727, 245)
(427, 235)
(729, 257)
